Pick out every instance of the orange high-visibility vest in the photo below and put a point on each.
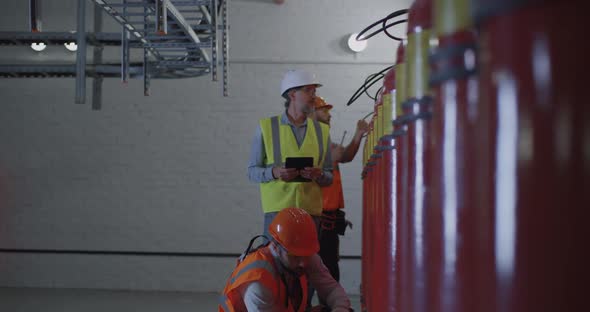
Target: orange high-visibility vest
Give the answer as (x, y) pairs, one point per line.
(332, 195)
(259, 266)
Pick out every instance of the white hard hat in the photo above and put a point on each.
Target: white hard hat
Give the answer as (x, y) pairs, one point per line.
(297, 78)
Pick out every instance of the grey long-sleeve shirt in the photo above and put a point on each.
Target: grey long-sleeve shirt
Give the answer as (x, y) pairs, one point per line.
(259, 173)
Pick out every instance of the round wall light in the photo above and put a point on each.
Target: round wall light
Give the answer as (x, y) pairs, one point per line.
(355, 45)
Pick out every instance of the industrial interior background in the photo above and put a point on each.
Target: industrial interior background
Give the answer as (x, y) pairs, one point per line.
(123, 164)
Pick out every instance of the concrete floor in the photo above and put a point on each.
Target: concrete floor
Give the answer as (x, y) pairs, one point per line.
(89, 300)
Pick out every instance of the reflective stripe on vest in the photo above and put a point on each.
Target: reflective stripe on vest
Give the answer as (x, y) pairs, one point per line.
(224, 302)
(318, 131)
(280, 143)
(276, 142)
(223, 305)
(258, 264)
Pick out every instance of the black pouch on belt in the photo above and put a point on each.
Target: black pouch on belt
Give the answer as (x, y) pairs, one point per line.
(340, 222)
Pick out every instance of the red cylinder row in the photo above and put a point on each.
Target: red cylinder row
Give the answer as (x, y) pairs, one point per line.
(474, 200)
(533, 125)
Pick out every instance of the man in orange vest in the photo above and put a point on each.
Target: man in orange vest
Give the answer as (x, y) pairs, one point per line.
(333, 222)
(274, 277)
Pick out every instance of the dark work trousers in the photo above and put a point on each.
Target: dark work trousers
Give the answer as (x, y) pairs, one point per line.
(330, 248)
(330, 251)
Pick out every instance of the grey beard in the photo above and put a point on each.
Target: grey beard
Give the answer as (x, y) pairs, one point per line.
(307, 110)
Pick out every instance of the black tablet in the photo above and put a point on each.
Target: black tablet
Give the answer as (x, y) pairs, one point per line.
(298, 162)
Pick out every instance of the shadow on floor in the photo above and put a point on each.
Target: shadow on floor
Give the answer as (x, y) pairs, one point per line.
(90, 300)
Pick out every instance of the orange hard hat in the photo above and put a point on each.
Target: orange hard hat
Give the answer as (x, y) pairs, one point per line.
(319, 103)
(295, 230)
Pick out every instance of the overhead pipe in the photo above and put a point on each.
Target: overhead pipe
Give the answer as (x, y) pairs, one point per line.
(214, 40)
(224, 46)
(97, 59)
(81, 53)
(146, 64)
(125, 52)
(161, 17)
(35, 22)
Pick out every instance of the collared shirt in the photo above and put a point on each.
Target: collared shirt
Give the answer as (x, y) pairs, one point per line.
(257, 170)
(259, 298)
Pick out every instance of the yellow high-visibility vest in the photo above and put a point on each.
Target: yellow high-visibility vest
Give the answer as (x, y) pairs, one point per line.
(280, 143)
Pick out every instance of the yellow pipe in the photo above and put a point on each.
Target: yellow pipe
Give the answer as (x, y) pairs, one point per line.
(451, 16)
(417, 64)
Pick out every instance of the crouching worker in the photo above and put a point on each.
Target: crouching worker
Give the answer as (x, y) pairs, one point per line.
(274, 276)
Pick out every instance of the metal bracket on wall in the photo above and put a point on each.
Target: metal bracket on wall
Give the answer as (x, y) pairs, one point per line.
(225, 39)
(97, 59)
(185, 46)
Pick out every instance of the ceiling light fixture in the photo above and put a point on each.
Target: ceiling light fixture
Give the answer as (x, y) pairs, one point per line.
(38, 46)
(71, 46)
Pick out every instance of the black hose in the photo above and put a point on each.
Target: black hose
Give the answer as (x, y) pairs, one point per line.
(367, 115)
(371, 76)
(363, 89)
(391, 25)
(370, 81)
(377, 93)
(382, 21)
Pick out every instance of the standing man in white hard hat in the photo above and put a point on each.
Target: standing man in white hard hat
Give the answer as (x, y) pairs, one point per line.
(292, 134)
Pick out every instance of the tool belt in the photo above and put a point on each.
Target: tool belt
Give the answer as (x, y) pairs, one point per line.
(334, 221)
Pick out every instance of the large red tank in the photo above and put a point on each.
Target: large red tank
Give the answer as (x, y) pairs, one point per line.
(417, 109)
(365, 246)
(368, 248)
(456, 232)
(533, 135)
(384, 222)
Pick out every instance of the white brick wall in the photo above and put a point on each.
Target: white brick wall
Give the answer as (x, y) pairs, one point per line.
(165, 172)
